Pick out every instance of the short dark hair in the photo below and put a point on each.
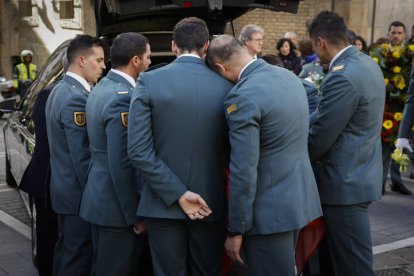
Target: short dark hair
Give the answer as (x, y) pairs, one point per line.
(190, 34)
(125, 46)
(81, 45)
(396, 24)
(282, 41)
(222, 48)
(330, 27)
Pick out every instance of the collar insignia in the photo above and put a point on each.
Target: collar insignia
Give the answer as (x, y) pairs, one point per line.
(337, 68)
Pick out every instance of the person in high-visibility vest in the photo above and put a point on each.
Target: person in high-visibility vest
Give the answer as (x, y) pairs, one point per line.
(24, 73)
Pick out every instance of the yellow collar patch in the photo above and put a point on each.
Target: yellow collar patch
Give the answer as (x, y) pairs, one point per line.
(231, 108)
(337, 68)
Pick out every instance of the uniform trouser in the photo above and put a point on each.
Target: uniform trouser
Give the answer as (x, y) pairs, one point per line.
(116, 251)
(183, 247)
(272, 254)
(348, 240)
(387, 162)
(46, 234)
(73, 250)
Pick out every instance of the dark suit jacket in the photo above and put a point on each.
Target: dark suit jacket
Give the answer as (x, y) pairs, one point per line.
(177, 137)
(35, 175)
(110, 197)
(272, 187)
(408, 114)
(68, 144)
(346, 134)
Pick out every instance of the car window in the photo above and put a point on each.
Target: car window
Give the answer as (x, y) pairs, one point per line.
(51, 72)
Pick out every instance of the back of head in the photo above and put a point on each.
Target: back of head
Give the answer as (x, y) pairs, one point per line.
(273, 60)
(81, 45)
(330, 27)
(190, 34)
(247, 32)
(223, 49)
(125, 46)
(306, 47)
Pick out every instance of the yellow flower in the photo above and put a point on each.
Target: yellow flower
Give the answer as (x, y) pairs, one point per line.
(398, 116)
(386, 46)
(396, 54)
(411, 47)
(375, 59)
(387, 124)
(386, 81)
(396, 69)
(401, 84)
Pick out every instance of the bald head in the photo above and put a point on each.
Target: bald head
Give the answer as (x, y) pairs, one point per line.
(227, 55)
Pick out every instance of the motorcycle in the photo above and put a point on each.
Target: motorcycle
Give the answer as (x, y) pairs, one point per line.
(7, 91)
(6, 88)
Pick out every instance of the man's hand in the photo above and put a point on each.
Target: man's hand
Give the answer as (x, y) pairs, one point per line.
(402, 143)
(233, 245)
(194, 205)
(140, 228)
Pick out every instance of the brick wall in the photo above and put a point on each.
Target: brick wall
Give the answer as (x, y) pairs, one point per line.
(276, 24)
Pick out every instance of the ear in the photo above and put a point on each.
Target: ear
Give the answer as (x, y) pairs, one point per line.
(221, 68)
(174, 48)
(321, 42)
(81, 61)
(136, 61)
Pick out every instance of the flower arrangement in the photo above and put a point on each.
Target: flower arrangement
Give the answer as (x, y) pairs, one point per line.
(395, 63)
(315, 78)
(390, 124)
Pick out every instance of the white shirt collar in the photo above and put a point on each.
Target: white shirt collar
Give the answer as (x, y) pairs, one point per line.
(80, 79)
(338, 54)
(242, 70)
(189, 55)
(126, 76)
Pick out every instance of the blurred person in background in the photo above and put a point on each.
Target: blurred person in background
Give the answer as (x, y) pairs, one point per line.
(288, 55)
(24, 73)
(360, 43)
(252, 38)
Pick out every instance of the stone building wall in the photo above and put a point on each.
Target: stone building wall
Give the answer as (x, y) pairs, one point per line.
(42, 32)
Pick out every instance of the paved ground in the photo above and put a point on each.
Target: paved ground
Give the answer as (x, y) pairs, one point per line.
(392, 224)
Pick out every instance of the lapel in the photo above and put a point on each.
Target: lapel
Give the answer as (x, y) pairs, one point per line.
(345, 55)
(119, 79)
(76, 84)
